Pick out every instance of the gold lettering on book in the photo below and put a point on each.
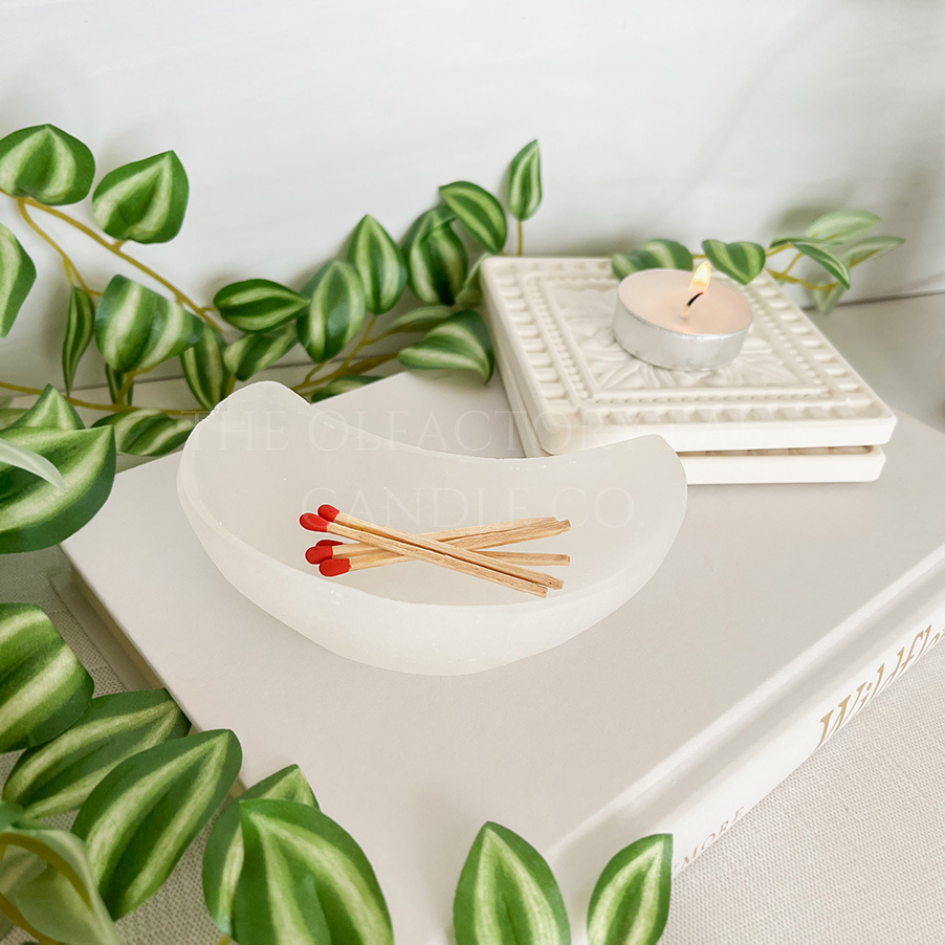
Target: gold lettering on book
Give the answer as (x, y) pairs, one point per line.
(849, 706)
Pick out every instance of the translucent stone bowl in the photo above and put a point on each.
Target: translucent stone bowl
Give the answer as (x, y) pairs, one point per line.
(265, 455)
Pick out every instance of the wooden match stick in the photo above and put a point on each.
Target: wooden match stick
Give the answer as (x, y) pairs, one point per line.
(321, 553)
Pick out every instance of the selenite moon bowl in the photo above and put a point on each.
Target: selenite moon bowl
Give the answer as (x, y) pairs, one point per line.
(265, 455)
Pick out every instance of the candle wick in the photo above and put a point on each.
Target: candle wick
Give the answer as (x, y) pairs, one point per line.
(693, 299)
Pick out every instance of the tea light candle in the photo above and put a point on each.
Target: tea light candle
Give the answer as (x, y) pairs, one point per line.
(685, 324)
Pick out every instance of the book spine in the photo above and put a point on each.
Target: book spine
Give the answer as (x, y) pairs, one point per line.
(748, 781)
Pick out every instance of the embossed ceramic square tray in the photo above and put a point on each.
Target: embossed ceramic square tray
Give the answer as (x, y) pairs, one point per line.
(788, 409)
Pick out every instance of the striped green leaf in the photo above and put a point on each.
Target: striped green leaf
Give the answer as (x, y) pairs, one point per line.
(436, 258)
(824, 257)
(17, 275)
(742, 261)
(654, 254)
(203, 367)
(630, 903)
(145, 431)
(507, 894)
(43, 687)
(258, 304)
(852, 255)
(479, 212)
(223, 857)
(842, 226)
(9, 414)
(341, 385)
(305, 881)
(52, 887)
(254, 352)
(419, 319)
(59, 776)
(145, 813)
(36, 514)
(336, 310)
(460, 343)
(136, 329)
(51, 411)
(471, 292)
(379, 263)
(524, 186)
(20, 458)
(79, 324)
(144, 201)
(120, 387)
(45, 163)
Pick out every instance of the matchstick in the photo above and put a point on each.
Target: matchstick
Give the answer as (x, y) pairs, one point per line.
(324, 552)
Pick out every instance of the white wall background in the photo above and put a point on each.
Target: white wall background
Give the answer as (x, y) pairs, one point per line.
(682, 119)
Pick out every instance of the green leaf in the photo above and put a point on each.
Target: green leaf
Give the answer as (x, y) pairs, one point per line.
(144, 201)
(524, 187)
(10, 414)
(823, 257)
(258, 304)
(143, 815)
(842, 226)
(654, 254)
(60, 775)
(61, 902)
(341, 385)
(853, 254)
(79, 324)
(379, 263)
(305, 881)
(336, 310)
(223, 857)
(20, 458)
(203, 367)
(630, 903)
(145, 431)
(51, 411)
(471, 292)
(479, 212)
(17, 275)
(507, 894)
(436, 258)
(460, 343)
(253, 353)
(742, 261)
(37, 514)
(45, 163)
(136, 329)
(420, 319)
(116, 384)
(43, 687)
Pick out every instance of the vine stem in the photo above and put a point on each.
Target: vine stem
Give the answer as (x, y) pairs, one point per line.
(518, 230)
(784, 277)
(115, 247)
(72, 270)
(365, 340)
(225, 940)
(89, 405)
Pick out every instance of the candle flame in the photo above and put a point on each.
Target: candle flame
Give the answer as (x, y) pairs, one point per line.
(700, 278)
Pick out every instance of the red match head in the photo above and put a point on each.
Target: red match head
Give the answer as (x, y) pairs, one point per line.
(328, 512)
(314, 523)
(334, 566)
(327, 542)
(318, 554)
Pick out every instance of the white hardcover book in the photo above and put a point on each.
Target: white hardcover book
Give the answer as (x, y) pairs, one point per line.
(780, 613)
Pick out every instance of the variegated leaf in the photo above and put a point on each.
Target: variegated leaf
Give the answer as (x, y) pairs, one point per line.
(379, 263)
(630, 903)
(17, 275)
(53, 889)
(305, 881)
(9, 414)
(507, 894)
(120, 387)
(742, 261)
(825, 257)
(144, 201)
(336, 310)
(471, 292)
(43, 687)
(654, 254)
(20, 458)
(145, 431)
(37, 514)
(436, 258)
(254, 352)
(79, 325)
(60, 775)
(479, 212)
(459, 343)
(524, 186)
(136, 329)
(341, 385)
(51, 411)
(852, 254)
(45, 163)
(419, 319)
(842, 226)
(203, 367)
(223, 856)
(145, 813)
(258, 304)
